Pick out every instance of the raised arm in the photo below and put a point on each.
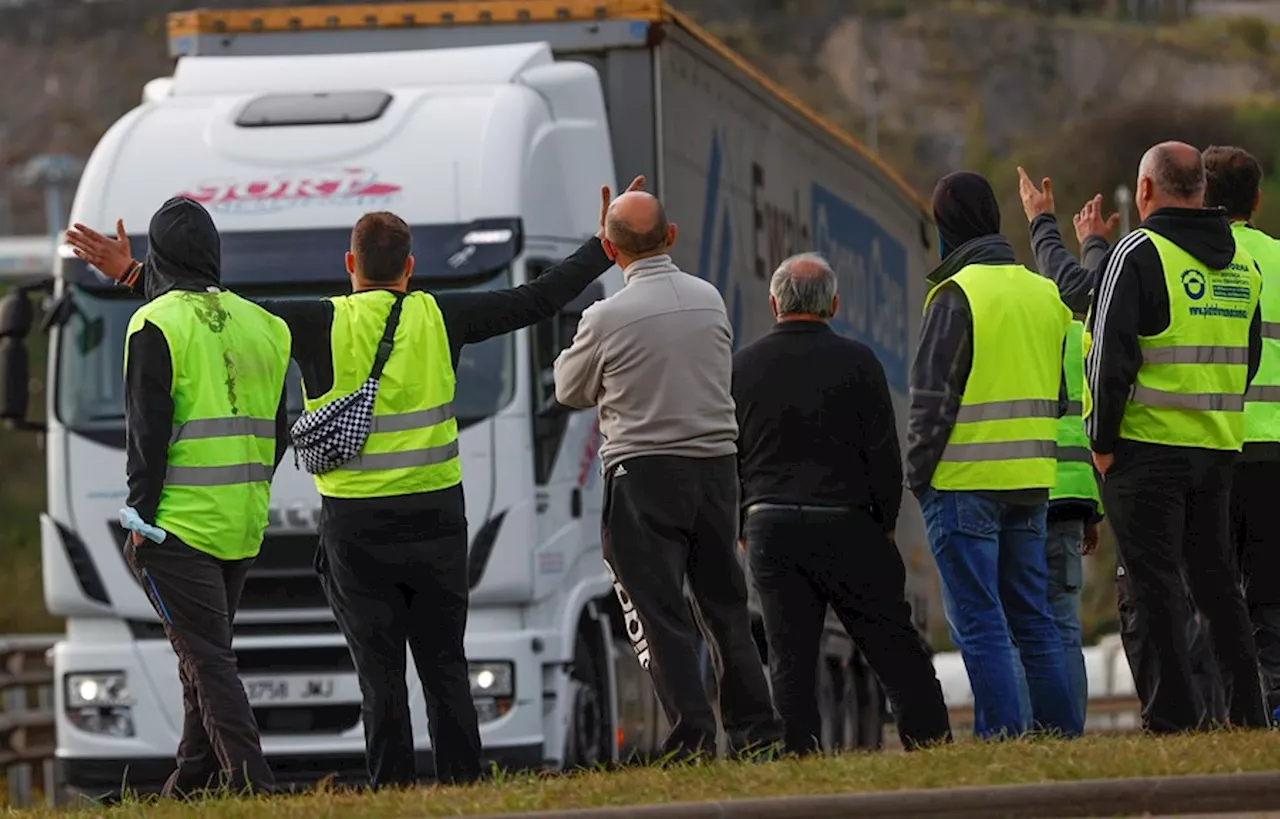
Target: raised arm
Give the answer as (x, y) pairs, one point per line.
(1075, 280)
(473, 317)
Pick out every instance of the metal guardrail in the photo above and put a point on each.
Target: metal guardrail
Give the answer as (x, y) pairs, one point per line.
(1105, 715)
(27, 738)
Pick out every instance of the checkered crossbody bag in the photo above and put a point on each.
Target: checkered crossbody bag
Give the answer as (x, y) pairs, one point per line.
(335, 433)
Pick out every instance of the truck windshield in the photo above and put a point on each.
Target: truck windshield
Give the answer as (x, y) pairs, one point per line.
(90, 389)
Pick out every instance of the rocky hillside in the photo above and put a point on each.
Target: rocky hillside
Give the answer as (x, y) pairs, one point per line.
(952, 83)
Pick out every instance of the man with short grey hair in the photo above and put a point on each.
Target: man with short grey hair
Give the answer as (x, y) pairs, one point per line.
(821, 481)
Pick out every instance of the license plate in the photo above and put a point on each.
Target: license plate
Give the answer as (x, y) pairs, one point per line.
(289, 690)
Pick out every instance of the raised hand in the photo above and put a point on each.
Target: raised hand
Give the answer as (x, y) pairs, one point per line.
(1035, 201)
(112, 256)
(1089, 222)
(606, 198)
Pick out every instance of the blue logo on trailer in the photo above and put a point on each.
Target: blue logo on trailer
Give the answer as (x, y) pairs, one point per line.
(720, 277)
(871, 267)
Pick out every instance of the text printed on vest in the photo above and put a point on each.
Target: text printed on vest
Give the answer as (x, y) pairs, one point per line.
(631, 617)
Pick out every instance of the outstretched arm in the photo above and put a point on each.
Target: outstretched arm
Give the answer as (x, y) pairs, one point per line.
(473, 317)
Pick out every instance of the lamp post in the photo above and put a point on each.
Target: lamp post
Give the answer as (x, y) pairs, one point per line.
(1124, 198)
(54, 173)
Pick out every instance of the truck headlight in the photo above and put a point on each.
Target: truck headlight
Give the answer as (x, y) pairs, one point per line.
(492, 679)
(493, 688)
(99, 703)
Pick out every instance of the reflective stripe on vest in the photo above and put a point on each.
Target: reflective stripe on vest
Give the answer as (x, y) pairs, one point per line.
(1262, 401)
(1190, 387)
(413, 442)
(1075, 478)
(1006, 429)
(229, 360)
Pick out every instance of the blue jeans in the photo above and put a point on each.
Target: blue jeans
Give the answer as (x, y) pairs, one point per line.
(991, 559)
(1063, 542)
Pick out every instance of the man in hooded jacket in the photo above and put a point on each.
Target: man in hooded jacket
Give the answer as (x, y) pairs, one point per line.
(1076, 281)
(1176, 340)
(986, 392)
(205, 429)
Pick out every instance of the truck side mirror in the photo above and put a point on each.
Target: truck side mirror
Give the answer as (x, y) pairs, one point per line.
(16, 318)
(15, 381)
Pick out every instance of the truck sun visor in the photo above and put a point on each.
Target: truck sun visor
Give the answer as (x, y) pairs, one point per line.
(445, 253)
(325, 108)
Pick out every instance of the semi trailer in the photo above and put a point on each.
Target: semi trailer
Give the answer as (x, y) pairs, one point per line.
(489, 127)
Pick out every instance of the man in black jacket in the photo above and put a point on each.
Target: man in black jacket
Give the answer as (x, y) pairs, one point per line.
(821, 488)
(1076, 281)
(403, 558)
(1166, 452)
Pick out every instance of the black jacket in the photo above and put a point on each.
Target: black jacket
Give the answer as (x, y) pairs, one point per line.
(1131, 300)
(183, 254)
(1075, 282)
(469, 318)
(815, 422)
(941, 369)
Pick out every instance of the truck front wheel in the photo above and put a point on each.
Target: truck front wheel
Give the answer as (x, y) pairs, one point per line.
(590, 734)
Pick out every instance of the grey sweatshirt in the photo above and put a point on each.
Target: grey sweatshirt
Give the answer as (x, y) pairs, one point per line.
(657, 359)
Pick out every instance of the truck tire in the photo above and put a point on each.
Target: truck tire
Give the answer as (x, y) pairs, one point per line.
(870, 703)
(829, 704)
(850, 708)
(589, 735)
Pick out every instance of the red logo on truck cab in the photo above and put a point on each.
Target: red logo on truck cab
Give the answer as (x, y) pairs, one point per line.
(345, 186)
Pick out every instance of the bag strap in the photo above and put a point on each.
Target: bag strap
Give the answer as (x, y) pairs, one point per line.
(388, 342)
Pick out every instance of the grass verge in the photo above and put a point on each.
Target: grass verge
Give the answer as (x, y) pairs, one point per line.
(960, 765)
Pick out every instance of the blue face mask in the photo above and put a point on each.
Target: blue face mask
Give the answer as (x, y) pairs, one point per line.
(942, 252)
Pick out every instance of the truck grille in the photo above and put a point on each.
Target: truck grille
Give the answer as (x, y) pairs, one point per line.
(287, 720)
(283, 576)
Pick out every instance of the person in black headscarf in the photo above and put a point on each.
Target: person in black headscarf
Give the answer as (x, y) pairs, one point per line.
(981, 459)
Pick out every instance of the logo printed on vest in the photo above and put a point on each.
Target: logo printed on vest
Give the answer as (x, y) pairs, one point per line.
(631, 617)
(1193, 284)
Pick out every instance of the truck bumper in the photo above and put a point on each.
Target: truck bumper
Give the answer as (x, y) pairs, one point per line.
(106, 779)
(101, 766)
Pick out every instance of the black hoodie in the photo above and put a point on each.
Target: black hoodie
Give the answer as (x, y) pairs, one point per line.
(941, 369)
(183, 251)
(1131, 300)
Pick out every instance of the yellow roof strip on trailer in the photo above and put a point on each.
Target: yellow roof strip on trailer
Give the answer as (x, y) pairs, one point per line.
(404, 15)
(408, 15)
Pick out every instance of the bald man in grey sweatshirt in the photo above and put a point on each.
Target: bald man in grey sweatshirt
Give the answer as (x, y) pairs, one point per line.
(657, 360)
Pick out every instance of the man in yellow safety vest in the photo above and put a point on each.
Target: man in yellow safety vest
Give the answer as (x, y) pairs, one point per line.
(1174, 338)
(1234, 181)
(986, 395)
(205, 429)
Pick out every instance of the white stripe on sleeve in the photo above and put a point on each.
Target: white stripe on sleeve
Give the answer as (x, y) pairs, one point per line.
(1106, 287)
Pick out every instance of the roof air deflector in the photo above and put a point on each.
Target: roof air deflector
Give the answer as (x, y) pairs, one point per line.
(325, 108)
